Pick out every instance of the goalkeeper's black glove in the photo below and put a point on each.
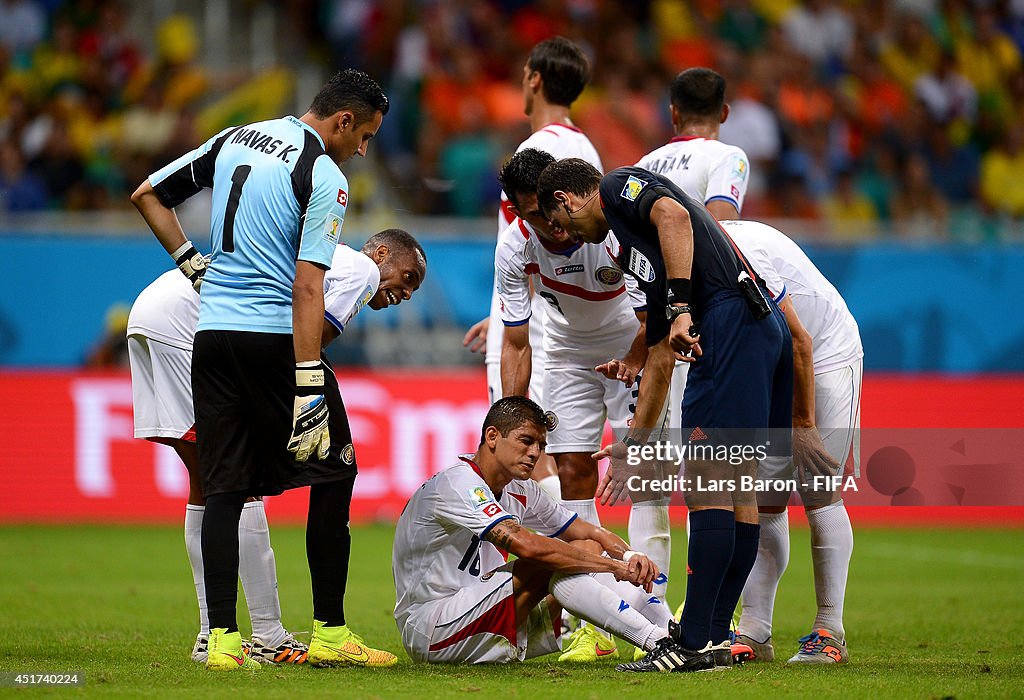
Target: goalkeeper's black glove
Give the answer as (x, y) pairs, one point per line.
(309, 416)
(191, 263)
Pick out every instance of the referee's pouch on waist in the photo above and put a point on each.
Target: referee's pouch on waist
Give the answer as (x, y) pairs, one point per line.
(753, 295)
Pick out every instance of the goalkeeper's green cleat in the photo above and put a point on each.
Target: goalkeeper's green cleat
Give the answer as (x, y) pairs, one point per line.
(225, 652)
(340, 646)
(586, 644)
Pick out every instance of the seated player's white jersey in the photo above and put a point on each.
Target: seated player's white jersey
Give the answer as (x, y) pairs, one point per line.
(168, 309)
(786, 269)
(591, 304)
(705, 169)
(561, 141)
(439, 541)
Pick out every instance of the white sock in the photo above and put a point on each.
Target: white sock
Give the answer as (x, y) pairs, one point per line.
(649, 533)
(194, 547)
(831, 549)
(586, 509)
(647, 604)
(763, 582)
(552, 487)
(582, 595)
(258, 571)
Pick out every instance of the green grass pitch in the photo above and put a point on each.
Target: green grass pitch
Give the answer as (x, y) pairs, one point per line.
(929, 614)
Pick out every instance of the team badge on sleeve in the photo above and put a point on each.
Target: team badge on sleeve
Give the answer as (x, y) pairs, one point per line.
(632, 188)
(739, 168)
(348, 454)
(332, 229)
(479, 497)
(640, 266)
(366, 296)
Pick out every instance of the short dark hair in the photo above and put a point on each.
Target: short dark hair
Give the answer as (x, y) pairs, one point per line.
(698, 91)
(573, 175)
(520, 173)
(397, 239)
(563, 67)
(351, 90)
(509, 413)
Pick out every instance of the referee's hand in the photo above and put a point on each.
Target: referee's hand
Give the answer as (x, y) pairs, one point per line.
(684, 339)
(310, 431)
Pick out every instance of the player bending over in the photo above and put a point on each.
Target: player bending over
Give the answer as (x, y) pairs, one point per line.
(161, 327)
(459, 601)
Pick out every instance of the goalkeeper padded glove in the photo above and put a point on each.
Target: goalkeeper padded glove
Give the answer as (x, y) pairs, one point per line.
(191, 263)
(309, 415)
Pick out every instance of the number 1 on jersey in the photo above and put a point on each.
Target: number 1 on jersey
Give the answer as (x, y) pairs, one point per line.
(238, 179)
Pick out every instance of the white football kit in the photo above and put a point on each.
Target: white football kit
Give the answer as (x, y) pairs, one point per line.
(561, 141)
(837, 350)
(453, 588)
(162, 325)
(591, 319)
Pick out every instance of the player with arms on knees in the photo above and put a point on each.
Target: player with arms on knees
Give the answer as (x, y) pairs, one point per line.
(161, 328)
(459, 601)
(262, 403)
(828, 363)
(714, 313)
(554, 75)
(596, 313)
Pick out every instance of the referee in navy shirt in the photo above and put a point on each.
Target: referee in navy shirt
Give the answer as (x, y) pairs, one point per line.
(705, 306)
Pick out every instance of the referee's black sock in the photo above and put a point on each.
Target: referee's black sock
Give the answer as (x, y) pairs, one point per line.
(327, 548)
(220, 557)
(743, 555)
(712, 534)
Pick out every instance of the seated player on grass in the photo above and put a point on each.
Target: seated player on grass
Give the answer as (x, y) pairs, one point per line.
(161, 327)
(460, 601)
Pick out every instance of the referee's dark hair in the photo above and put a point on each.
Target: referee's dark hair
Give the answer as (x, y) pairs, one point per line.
(563, 67)
(520, 173)
(573, 175)
(351, 90)
(698, 91)
(509, 413)
(397, 239)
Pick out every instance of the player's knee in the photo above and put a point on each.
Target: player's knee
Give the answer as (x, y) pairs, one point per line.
(577, 474)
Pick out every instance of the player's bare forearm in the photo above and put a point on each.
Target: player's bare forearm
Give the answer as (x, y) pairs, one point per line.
(653, 389)
(803, 368)
(580, 529)
(722, 210)
(637, 353)
(307, 311)
(675, 235)
(329, 334)
(552, 553)
(163, 221)
(516, 360)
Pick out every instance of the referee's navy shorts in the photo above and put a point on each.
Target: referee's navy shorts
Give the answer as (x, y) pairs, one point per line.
(243, 385)
(740, 391)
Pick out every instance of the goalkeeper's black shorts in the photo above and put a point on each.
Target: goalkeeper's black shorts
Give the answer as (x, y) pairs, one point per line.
(243, 387)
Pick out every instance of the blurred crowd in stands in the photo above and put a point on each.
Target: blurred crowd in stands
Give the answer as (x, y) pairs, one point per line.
(900, 118)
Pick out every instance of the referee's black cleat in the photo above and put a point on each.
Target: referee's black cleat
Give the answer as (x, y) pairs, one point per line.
(669, 657)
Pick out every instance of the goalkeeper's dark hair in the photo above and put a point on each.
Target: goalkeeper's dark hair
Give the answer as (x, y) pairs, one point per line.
(573, 175)
(563, 67)
(509, 413)
(398, 240)
(351, 90)
(520, 173)
(698, 91)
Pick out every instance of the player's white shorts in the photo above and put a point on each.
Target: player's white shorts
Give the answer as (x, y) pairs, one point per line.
(581, 399)
(837, 415)
(477, 625)
(675, 395)
(536, 379)
(161, 389)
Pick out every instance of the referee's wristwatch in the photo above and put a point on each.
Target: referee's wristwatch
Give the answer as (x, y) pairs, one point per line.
(671, 311)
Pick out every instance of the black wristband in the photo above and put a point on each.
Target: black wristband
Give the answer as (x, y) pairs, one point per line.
(631, 442)
(678, 291)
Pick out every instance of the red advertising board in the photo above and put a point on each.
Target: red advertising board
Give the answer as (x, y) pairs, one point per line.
(70, 456)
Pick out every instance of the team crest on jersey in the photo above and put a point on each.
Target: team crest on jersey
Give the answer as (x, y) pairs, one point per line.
(632, 188)
(550, 420)
(640, 266)
(608, 275)
(348, 454)
(568, 269)
(332, 229)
